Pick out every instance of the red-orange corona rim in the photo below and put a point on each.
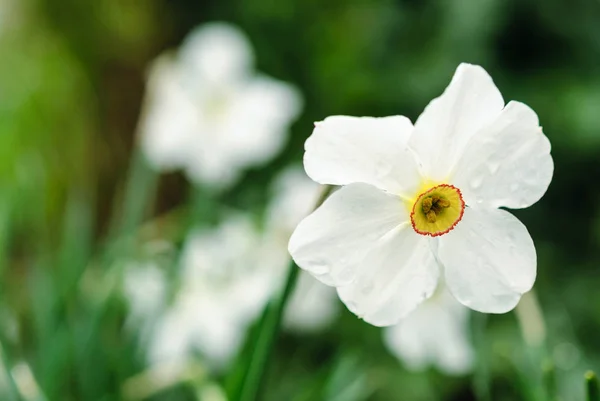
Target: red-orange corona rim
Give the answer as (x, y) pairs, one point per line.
(437, 211)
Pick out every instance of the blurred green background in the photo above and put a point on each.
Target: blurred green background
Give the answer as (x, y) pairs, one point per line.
(72, 192)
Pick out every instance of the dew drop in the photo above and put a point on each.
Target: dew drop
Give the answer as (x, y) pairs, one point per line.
(352, 306)
(476, 182)
(319, 264)
(493, 166)
(367, 288)
(382, 169)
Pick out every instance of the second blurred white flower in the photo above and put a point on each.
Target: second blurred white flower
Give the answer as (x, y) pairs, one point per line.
(223, 288)
(209, 113)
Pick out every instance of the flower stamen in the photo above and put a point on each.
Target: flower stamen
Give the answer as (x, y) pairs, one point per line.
(434, 205)
(437, 210)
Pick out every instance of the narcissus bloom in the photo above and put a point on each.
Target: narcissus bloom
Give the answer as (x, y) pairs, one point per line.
(423, 201)
(209, 113)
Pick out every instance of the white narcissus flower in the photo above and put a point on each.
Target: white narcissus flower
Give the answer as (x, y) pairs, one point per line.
(312, 305)
(436, 333)
(422, 201)
(207, 112)
(224, 287)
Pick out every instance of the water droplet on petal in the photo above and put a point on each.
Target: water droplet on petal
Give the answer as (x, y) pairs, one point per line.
(352, 306)
(476, 182)
(493, 166)
(382, 169)
(319, 264)
(366, 288)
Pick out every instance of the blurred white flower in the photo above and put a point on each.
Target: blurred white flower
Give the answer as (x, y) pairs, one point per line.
(207, 112)
(224, 287)
(419, 198)
(436, 333)
(144, 287)
(313, 305)
(293, 198)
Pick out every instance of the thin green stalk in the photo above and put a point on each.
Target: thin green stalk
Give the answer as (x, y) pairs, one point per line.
(140, 190)
(131, 208)
(481, 376)
(531, 320)
(269, 328)
(591, 386)
(549, 378)
(533, 330)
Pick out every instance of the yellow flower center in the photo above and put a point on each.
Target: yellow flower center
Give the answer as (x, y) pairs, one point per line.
(437, 210)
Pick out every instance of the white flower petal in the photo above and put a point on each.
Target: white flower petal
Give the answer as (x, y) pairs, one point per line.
(343, 150)
(489, 260)
(508, 163)
(222, 292)
(145, 288)
(217, 53)
(332, 241)
(212, 165)
(442, 131)
(312, 306)
(409, 342)
(293, 198)
(219, 336)
(259, 119)
(169, 120)
(393, 278)
(171, 339)
(436, 333)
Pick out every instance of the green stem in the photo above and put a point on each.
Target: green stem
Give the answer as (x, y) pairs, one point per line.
(140, 190)
(481, 376)
(592, 388)
(269, 329)
(533, 330)
(531, 320)
(549, 378)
